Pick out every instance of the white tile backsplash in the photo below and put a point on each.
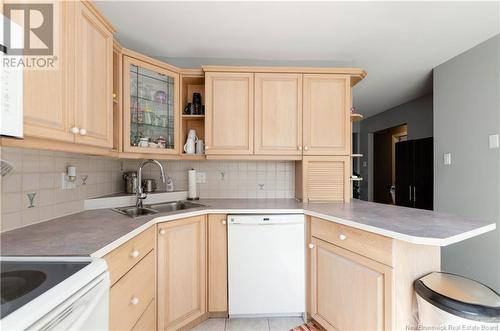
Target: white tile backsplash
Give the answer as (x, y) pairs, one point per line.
(39, 172)
(228, 179)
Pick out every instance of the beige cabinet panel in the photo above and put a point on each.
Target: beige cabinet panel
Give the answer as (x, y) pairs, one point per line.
(147, 322)
(131, 295)
(229, 113)
(278, 114)
(181, 272)
(217, 263)
(94, 79)
(47, 110)
(145, 115)
(323, 178)
(348, 291)
(327, 123)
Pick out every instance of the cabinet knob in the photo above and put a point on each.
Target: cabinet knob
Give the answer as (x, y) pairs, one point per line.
(223, 222)
(83, 132)
(311, 246)
(74, 130)
(135, 253)
(342, 236)
(306, 148)
(299, 148)
(162, 231)
(134, 300)
(207, 147)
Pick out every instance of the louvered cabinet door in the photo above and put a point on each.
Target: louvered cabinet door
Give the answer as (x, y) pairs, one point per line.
(325, 178)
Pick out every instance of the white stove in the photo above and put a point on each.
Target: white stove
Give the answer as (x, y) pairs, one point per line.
(54, 293)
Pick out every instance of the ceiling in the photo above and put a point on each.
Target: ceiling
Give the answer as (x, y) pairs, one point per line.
(397, 43)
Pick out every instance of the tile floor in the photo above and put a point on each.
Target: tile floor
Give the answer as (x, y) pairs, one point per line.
(249, 324)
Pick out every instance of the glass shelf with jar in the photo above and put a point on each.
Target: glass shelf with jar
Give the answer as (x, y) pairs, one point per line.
(150, 108)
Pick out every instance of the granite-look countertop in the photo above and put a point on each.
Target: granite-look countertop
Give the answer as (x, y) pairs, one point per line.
(96, 232)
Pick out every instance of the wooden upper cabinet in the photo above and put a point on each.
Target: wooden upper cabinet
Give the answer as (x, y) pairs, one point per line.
(229, 113)
(78, 95)
(182, 272)
(278, 114)
(348, 291)
(47, 110)
(327, 124)
(150, 105)
(94, 79)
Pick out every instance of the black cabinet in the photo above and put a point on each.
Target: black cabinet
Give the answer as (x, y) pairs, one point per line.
(414, 173)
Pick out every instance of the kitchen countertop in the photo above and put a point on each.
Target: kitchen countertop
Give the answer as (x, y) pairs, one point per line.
(97, 232)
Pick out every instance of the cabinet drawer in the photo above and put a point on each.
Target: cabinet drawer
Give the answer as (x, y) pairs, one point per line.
(374, 246)
(131, 295)
(127, 255)
(147, 322)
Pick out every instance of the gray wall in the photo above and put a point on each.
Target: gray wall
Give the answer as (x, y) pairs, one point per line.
(417, 114)
(466, 112)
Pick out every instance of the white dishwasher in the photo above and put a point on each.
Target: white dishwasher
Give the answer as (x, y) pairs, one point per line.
(266, 265)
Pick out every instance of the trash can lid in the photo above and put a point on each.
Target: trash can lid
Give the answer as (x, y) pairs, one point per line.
(460, 296)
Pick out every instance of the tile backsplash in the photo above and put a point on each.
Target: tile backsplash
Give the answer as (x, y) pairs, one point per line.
(228, 179)
(39, 173)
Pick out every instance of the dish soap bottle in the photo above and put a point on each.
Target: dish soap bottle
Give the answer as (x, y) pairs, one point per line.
(170, 184)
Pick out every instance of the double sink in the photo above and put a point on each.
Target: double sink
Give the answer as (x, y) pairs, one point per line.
(165, 207)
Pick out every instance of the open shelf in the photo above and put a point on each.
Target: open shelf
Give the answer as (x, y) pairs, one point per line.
(192, 82)
(356, 117)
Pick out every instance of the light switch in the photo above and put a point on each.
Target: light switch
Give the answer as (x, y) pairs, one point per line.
(447, 158)
(494, 141)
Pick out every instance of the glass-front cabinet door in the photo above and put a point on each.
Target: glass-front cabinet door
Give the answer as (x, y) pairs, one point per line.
(150, 104)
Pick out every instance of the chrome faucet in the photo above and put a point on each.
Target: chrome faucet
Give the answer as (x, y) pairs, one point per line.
(140, 193)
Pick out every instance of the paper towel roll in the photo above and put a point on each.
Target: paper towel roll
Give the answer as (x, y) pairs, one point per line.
(192, 193)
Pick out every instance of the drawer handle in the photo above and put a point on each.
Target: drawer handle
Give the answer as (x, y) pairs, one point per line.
(134, 253)
(223, 222)
(134, 300)
(342, 237)
(311, 246)
(162, 231)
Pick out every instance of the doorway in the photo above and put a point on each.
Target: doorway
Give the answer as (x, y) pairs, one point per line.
(384, 162)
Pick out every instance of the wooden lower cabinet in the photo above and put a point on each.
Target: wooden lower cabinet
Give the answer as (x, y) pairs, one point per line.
(182, 272)
(147, 322)
(349, 291)
(132, 294)
(217, 264)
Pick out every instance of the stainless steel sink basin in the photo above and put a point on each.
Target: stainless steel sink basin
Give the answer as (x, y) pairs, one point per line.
(135, 211)
(174, 206)
(164, 207)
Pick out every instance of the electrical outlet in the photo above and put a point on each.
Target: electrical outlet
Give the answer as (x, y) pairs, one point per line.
(447, 158)
(201, 177)
(494, 141)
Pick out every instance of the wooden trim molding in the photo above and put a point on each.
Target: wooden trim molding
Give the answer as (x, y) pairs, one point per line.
(89, 4)
(150, 60)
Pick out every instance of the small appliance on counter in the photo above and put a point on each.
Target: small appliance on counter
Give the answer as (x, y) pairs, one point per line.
(149, 185)
(130, 178)
(54, 293)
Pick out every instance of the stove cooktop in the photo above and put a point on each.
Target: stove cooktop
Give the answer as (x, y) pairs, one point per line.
(22, 281)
